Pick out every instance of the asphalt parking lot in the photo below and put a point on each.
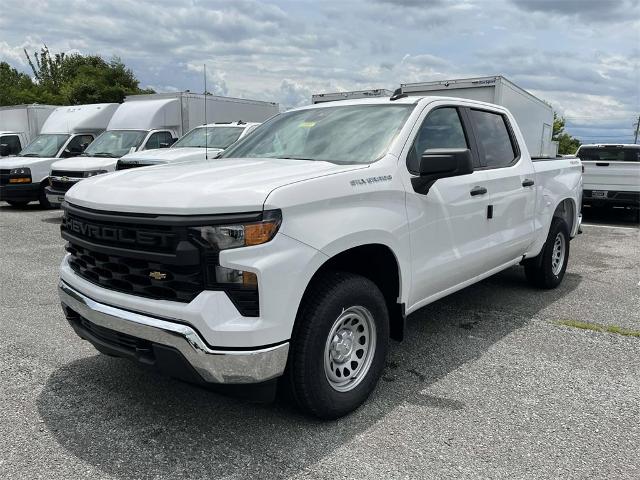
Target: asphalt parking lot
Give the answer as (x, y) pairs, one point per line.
(490, 383)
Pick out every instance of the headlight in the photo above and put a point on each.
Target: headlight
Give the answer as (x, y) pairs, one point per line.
(223, 237)
(93, 173)
(20, 175)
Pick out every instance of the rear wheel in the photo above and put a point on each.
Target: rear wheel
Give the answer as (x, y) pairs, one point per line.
(339, 345)
(548, 268)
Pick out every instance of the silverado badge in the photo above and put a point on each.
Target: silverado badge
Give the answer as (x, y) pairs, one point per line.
(158, 275)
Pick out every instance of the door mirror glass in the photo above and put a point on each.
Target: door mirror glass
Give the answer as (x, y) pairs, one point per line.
(441, 163)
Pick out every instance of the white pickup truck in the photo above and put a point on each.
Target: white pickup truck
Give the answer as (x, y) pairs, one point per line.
(300, 252)
(201, 143)
(611, 175)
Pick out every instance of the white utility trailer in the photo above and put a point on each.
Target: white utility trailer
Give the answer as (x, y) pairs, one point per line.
(534, 116)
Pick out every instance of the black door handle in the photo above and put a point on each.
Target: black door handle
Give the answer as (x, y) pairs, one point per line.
(478, 191)
(528, 182)
(602, 164)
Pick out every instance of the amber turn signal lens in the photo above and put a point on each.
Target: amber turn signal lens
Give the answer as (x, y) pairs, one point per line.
(20, 180)
(257, 233)
(249, 279)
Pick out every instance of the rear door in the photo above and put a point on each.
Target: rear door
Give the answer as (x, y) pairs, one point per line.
(510, 183)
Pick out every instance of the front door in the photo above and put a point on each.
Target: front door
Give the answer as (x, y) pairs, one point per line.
(448, 225)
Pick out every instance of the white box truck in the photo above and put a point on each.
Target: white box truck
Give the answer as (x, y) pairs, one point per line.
(534, 116)
(65, 133)
(148, 122)
(19, 124)
(333, 97)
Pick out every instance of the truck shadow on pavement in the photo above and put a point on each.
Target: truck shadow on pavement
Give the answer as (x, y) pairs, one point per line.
(130, 423)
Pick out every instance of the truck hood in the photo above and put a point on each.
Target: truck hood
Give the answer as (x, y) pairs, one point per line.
(84, 164)
(221, 186)
(23, 162)
(165, 155)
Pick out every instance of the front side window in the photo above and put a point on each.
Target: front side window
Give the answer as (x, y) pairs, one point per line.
(441, 129)
(158, 140)
(77, 145)
(211, 137)
(346, 134)
(115, 143)
(46, 145)
(494, 139)
(10, 144)
(610, 153)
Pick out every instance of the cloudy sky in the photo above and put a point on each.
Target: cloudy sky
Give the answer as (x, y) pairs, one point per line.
(582, 56)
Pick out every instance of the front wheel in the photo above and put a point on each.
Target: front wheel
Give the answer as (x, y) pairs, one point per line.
(42, 196)
(17, 204)
(548, 268)
(339, 345)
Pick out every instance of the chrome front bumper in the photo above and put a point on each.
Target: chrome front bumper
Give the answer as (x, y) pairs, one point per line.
(215, 366)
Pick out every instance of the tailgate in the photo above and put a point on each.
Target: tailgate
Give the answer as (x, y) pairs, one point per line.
(611, 175)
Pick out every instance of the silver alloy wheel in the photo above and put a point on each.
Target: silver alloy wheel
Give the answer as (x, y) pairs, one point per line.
(350, 348)
(557, 256)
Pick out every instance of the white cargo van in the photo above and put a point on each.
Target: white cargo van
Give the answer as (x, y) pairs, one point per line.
(66, 133)
(201, 143)
(19, 124)
(534, 116)
(148, 122)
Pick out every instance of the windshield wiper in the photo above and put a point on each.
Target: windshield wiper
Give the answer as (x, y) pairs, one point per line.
(103, 154)
(29, 155)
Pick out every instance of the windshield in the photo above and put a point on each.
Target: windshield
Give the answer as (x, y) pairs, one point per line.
(610, 153)
(45, 145)
(115, 143)
(214, 137)
(341, 134)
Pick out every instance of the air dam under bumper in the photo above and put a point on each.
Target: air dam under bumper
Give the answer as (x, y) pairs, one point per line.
(213, 366)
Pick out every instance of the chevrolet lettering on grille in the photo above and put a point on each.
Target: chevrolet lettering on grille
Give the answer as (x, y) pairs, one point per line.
(119, 235)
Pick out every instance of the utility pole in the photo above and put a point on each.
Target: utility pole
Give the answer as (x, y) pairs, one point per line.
(637, 125)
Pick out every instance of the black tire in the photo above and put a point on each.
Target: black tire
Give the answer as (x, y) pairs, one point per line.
(327, 299)
(539, 270)
(42, 196)
(17, 204)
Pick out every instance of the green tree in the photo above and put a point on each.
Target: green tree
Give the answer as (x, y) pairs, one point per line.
(16, 87)
(60, 79)
(567, 145)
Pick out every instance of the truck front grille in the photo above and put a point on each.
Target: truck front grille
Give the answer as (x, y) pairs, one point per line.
(180, 283)
(150, 256)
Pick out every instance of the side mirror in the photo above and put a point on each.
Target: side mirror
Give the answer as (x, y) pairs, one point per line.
(165, 145)
(83, 146)
(441, 163)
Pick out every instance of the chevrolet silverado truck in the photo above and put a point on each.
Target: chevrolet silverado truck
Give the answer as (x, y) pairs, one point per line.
(296, 256)
(201, 143)
(611, 175)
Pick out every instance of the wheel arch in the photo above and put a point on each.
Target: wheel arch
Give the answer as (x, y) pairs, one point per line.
(377, 262)
(566, 210)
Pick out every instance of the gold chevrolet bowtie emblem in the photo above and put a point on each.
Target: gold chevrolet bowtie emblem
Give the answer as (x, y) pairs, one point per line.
(158, 275)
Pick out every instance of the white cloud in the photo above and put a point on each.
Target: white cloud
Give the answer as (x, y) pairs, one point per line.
(580, 55)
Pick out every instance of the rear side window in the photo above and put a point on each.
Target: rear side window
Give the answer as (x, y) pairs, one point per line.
(613, 153)
(492, 134)
(441, 129)
(12, 143)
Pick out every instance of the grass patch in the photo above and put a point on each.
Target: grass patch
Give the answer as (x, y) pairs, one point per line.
(596, 327)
